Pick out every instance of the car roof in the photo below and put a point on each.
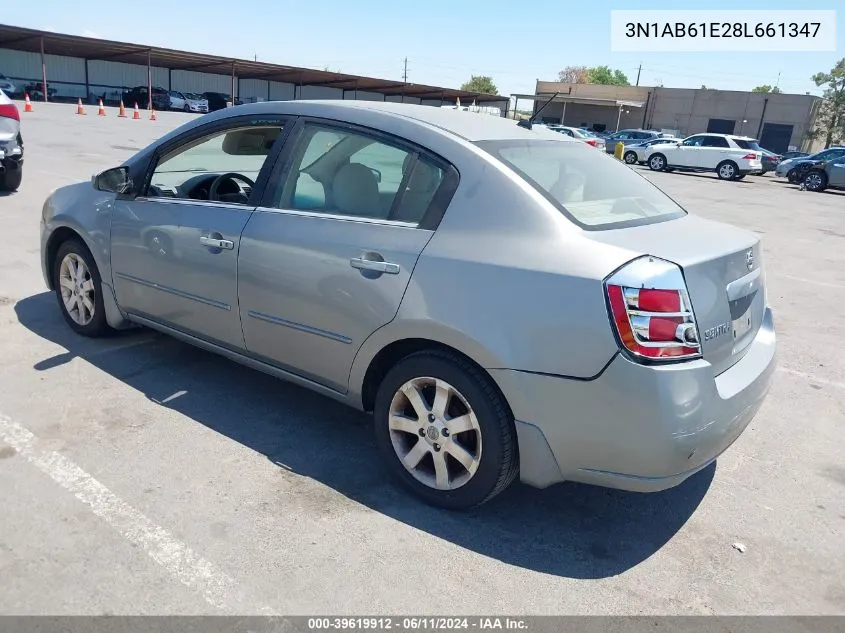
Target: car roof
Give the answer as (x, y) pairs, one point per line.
(471, 126)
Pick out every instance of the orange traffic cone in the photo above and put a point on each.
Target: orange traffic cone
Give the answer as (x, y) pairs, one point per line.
(79, 108)
(28, 106)
(122, 112)
(153, 114)
(101, 111)
(137, 114)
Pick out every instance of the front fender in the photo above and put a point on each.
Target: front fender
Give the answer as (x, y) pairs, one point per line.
(85, 211)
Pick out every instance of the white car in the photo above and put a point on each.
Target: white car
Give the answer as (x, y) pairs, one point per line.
(11, 145)
(731, 157)
(187, 102)
(636, 153)
(7, 85)
(578, 134)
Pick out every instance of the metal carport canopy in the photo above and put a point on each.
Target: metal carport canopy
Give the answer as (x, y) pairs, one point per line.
(30, 40)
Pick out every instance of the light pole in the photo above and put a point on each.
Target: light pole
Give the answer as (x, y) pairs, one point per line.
(742, 127)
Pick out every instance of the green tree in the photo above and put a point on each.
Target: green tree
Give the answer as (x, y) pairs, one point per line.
(766, 88)
(606, 76)
(831, 118)
(480, 83)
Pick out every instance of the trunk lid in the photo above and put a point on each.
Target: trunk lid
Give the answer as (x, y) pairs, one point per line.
(722, 267)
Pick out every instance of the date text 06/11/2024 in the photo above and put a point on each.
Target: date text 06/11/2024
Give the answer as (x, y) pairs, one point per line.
(722, 29)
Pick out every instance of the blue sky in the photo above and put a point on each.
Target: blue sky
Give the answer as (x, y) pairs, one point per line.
(445, 41)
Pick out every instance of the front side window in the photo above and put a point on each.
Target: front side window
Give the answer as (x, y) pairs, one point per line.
(592, 189)
(715, 141)
(220, 167)
(694, 141)
(341, 172)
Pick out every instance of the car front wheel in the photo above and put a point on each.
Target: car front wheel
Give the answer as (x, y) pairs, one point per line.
(630, 158)
(10, 179)
(444, 430)
(79, 289)
(815, 181)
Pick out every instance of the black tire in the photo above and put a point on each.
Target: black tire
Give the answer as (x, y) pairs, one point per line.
(98, 326)
(11, 179)
(630, 158)
(186, 108)
(740, 176)
(657, 162)
(499, 463)
(815, 180)
(727, 170)
(791, 177)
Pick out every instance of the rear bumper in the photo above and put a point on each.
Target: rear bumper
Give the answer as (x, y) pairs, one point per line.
(11, 155)
(636, 427)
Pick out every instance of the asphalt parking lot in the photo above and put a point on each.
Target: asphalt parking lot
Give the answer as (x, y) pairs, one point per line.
(139, 475)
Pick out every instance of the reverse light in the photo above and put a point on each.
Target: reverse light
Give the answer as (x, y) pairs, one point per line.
(651, 311)
(10, 111)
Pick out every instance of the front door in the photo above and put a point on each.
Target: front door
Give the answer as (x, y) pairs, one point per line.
(326, 260)
(175, 246)
(836, 173)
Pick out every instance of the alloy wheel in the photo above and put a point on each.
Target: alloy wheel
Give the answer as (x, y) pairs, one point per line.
(77, 289)
(435, 433)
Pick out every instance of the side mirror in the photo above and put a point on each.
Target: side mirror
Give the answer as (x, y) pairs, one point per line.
(114, 180)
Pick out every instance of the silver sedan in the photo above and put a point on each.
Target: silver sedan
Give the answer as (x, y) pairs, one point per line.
(507, 302)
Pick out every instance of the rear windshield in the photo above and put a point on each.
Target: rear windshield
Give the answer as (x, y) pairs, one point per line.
(593, 189)
(746, 144)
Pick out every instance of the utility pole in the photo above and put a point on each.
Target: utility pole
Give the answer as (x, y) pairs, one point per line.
(639, 70)
(778, 81)
(405, 71)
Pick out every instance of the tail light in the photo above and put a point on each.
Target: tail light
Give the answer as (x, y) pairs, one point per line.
(10, 111)
(591, 141)
(751, 156)
(651, 311)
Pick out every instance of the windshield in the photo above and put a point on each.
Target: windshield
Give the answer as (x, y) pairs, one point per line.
(748, 144)
(593, 189)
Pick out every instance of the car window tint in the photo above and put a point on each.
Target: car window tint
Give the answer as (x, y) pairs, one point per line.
(592, 189)
(746, 144)
(715, 141)
(340, 172)
(695, 141)
(189, 170)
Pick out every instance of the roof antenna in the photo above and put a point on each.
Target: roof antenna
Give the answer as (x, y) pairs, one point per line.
(527, 124)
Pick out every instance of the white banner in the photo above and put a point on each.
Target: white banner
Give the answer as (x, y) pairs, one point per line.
(722, 30)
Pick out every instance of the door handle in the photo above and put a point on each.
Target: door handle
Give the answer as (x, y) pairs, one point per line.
(213, 242)
(376, 266)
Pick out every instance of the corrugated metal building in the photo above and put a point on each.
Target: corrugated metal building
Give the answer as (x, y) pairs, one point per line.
(780, 121)
(76, 67)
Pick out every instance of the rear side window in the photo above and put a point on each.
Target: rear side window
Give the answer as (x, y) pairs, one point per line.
(746, 144)
(716, 141)
(592, 189)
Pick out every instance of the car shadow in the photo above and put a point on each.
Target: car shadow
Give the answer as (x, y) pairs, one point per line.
(569, 530)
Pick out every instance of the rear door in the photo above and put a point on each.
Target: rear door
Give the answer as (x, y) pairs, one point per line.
(326, 258)
(713, 150)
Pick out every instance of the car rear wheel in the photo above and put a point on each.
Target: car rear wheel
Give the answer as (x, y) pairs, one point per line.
(630, 158)
(727, 170)
(79, 289)
(445, 431)
(816, 180)
(657, 162)
(10, 179)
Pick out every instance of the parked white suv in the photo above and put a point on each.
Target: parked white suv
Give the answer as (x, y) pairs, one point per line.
(731, 157)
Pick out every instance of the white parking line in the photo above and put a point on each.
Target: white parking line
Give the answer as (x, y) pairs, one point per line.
(825, 284)
(218, 588)
(803, 374)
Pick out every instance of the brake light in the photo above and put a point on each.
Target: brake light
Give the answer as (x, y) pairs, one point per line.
(10, 111)
(592, 142)
(651, 311)
(751, 156)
